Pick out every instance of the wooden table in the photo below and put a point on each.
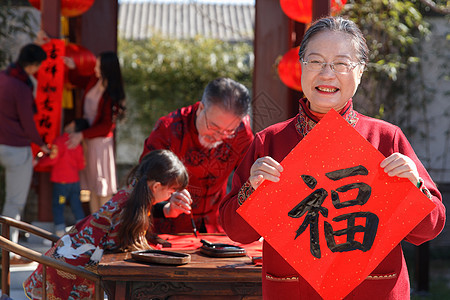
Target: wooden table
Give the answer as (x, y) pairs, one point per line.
(203, 278)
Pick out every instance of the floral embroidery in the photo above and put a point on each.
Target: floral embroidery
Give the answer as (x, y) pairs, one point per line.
(380, 277)
(305, 124)
(245, 192)
(282, 279)
(423, 188)
(195, 157)
(223, 152)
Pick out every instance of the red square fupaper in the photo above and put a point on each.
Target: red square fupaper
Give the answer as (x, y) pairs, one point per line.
(335, 214)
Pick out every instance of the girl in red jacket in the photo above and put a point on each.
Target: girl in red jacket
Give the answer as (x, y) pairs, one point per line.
(66, 164)
(119, 225)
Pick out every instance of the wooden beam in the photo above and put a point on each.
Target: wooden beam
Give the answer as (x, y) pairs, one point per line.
(321, 8)
(51, 17)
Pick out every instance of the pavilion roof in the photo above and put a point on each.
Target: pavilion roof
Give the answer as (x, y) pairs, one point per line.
(228, 22)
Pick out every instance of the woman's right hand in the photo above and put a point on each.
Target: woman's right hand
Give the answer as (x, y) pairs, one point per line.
(264, 168)
(69, 62)
(179, 203)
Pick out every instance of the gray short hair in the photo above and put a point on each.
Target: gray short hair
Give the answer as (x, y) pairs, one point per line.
(229, 95)
(337, 24)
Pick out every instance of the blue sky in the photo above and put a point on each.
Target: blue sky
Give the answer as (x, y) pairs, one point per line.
(199, 1)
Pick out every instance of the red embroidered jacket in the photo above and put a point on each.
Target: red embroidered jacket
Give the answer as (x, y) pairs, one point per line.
(208, 169)
(280, 281)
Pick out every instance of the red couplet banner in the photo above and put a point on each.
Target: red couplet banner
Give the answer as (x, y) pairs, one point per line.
(335, 214)
(49, 94)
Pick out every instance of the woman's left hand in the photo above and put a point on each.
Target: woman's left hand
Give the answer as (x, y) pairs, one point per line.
(401, 165)
(74, 140)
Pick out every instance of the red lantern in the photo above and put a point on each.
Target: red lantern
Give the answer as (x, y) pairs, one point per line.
(84, 59)
(290, 70)
(301, 10)
(69, 8)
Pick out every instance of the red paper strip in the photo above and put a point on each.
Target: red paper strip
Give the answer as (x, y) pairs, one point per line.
(298, 217)
(49, 94)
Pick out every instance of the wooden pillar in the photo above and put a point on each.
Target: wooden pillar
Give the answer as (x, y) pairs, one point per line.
(273, 38)
(51, 24)
(96, 30)
(321, 8)
(275, 34)
(51, 17)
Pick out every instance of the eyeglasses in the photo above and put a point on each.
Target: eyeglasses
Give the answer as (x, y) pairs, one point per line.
(340, 67)
(223, 133)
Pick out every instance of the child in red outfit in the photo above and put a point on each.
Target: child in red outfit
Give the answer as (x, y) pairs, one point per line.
(66, 164)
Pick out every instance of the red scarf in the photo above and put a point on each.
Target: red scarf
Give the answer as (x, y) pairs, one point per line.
(16, 71)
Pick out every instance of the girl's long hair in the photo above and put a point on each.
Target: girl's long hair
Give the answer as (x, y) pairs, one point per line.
(160, 166)
(112, 76)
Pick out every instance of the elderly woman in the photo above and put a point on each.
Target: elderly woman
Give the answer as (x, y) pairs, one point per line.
(333, 55)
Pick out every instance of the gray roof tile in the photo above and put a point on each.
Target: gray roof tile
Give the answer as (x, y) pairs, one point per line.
(228, 22)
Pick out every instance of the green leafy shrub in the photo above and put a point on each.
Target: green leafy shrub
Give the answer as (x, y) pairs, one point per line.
(13, 22)
(393, 30)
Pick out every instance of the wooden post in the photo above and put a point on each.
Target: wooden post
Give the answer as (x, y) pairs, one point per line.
(272, 101)
(51, 17)
(51, 24)
(321, 8)
(102, 16)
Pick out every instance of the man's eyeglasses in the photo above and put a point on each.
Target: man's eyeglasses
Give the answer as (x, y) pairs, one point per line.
(340, 67)
(223, 133)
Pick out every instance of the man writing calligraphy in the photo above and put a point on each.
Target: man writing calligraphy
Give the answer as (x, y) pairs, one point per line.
(210, 137)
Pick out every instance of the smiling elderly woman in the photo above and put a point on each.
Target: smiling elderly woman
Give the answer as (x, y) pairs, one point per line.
(333, 55)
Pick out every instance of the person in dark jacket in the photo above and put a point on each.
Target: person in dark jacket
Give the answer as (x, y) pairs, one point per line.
(18, 130)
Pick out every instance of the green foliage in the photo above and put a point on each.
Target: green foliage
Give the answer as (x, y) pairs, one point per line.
(12, 22)
(395, 86)
(393, 30)
(163, 74)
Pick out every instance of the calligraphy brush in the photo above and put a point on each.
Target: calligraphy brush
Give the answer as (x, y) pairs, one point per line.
(194, 228)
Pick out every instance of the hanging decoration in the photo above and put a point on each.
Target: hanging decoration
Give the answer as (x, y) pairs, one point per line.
(289, 69)
(84, 59)
(69, 8)
(49, 94)
(301, 10)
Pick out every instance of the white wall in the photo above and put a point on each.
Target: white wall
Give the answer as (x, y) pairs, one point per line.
(433, 147)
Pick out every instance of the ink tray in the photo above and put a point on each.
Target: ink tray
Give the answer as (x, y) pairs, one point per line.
(221, 250)
(161, 257)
